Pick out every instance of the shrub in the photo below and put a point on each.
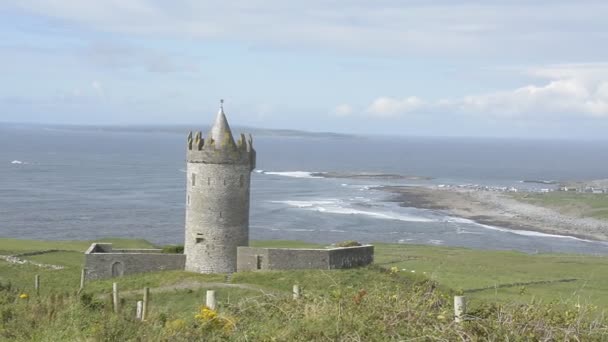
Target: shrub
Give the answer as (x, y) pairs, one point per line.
(348, 243)
(173, 249)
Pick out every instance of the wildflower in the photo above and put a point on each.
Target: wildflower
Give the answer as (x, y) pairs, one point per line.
(206, 314)
(413, 271)
(24, 296)
(441, 317)
(394, 270)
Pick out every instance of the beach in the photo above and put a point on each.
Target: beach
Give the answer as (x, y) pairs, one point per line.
(498, 209)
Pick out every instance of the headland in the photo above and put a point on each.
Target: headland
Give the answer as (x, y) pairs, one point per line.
(501, 209)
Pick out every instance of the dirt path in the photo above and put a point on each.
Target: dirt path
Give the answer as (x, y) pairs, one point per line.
(195, 285)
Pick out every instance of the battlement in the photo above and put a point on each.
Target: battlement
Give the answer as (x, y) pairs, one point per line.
(209, 151)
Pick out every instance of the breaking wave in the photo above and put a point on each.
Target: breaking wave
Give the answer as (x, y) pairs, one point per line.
(293, 174)
(334, 206)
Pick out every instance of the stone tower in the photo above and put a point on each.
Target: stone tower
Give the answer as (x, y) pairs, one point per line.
(217, 202)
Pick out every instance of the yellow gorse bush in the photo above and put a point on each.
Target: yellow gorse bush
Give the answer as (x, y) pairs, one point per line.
(24, 296)
(206, 314)
(210, 318)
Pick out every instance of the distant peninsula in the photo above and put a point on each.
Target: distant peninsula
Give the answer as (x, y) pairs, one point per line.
(179, 129)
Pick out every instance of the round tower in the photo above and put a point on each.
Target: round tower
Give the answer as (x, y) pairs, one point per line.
(217, 202)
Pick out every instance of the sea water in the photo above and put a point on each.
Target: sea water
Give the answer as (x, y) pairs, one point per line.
(88, 184)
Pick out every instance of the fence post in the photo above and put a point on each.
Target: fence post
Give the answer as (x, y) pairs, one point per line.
(211, 304)
(460, 308)
(138, 311)
(115, 297)
(296, 291)
(83, 274)
(145, 307)
(37, 283)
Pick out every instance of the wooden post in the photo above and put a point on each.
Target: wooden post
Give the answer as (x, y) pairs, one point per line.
(138, 311)
(211, 304)
(37, 283)
(296, 291)
(115, 298)
(460, 308)
(83, 274)
(145, 307)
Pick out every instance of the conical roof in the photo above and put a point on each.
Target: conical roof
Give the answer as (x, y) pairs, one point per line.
(220, 131)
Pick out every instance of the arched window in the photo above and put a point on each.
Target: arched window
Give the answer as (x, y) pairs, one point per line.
(118, 269)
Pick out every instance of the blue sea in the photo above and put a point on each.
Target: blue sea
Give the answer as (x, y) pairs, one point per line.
(65, 184)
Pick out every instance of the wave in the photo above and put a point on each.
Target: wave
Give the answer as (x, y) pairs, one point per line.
(293, 174)
(334, 206)
(514, 231)
(17, 162)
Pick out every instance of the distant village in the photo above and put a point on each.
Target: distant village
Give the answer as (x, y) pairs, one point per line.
(600, 188)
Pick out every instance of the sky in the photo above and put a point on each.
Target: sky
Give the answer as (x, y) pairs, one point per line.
(527, 69)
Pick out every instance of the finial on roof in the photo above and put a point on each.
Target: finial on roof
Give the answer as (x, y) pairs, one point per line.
(222, 105)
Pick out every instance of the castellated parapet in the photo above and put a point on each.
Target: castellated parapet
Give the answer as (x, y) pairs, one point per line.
(217, 202)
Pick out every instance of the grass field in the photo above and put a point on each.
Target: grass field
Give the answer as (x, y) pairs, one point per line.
(569, 203)
(485, 277)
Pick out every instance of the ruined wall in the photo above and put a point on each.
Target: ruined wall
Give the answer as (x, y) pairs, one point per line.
(349, 257)
(101, 261)
(249, 258)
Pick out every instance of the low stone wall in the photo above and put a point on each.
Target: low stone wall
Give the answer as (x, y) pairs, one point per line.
(251, 258)
(101, 261)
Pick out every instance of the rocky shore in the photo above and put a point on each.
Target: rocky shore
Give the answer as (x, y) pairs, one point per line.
(498, 209)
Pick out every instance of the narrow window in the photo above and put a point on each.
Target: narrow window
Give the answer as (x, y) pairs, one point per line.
(208, 181)
(188, 200)
(241, 181)
(194, 179)
(220, 214)
(224, 181)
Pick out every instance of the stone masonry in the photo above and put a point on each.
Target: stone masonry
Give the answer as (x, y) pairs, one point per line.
(102, 261)
(217, 199)
(250, 259)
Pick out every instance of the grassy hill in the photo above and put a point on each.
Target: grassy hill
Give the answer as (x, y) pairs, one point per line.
(406, 294)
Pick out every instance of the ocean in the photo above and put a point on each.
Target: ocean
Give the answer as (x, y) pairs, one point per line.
(86, 184)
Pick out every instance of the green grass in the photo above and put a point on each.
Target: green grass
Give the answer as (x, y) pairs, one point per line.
(401, 304)
(467, 269)
(460, 269)
(569, 203)
(14, 246)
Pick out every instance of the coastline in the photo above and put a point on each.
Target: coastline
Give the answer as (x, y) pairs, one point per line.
(497, 209)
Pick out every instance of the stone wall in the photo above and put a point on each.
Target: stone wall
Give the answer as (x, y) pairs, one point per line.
(101, 261)
(250, 258)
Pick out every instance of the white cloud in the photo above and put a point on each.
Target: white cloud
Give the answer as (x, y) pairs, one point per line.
(384, 26)
(568, 90)
(343, 110)
(391, 107)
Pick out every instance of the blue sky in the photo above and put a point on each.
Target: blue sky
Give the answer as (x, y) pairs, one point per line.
(465, 68)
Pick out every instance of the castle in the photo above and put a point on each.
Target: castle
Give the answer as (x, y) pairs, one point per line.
(217, 202)
(217, 220)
